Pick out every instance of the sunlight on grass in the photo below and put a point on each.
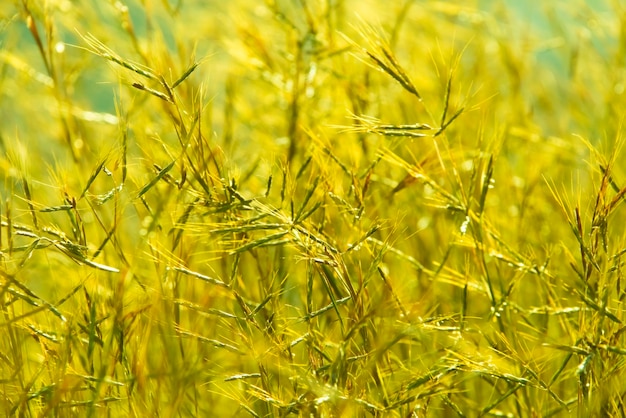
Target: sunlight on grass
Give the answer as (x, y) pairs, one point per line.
(312, 208)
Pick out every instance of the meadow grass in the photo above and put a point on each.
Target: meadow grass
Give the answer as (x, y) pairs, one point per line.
(312, 208)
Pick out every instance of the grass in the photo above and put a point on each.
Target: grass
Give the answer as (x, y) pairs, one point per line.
(311, 208)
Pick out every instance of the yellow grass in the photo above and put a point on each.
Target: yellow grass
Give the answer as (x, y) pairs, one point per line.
(312, 208)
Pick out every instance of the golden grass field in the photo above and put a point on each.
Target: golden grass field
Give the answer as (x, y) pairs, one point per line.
(317, 208)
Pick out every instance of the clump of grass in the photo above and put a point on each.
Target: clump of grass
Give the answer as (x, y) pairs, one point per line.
(326, 209)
